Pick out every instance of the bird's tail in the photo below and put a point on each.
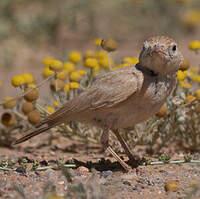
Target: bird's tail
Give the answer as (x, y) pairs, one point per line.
(33, 133)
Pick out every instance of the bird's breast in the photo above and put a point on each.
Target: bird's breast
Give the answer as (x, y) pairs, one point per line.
(146, 103)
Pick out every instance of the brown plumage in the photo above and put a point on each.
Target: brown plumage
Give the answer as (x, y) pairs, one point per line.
(123, 97)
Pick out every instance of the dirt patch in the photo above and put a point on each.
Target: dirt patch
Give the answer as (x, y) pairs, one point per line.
(108, 180)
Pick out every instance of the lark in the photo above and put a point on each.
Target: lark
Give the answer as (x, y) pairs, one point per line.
(124, 97)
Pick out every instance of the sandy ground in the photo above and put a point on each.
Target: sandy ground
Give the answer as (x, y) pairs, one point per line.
(108, 180)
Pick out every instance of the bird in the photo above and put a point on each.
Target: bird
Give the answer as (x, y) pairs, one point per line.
(123, 97)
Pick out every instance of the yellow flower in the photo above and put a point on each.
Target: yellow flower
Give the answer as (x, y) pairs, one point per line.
(56, 103)
(47, 72)
(75, 76)
(28, 78)
(102, 55)
(98, 41)
(17, 80)
(121, 65)
(91, 62)
(56, 65)
(47, 61)
(10, 104)
(50, 109)
(135, 60)
(96, 68)
(0, 83)
(197, 94)
(191, 18)
(185, 85)
(193, 76)
(74, 85)
(32, 85)
(75, 57)
(81, 72)
(196, 78)
(181, 75)
(104, 62)
(62, 75)
(189, 99)
(194, 45)
(194, 68)
(69, 67)
(67, 88)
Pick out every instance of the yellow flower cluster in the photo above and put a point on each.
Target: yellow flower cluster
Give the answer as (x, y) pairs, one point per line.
(91, 63)
(69, 67)
(47, 72)
(52, 63)
(74, 85)
(0, 83)
(56, 103)
(185, 85)
(75, 57)
(181, 75)
(98, 41)
(197, 94)
(67, 88)
(47, 61)
(191, 18)
(194, 77)
(194, 45)
(50, 109)
(62, 75)
(19, 80)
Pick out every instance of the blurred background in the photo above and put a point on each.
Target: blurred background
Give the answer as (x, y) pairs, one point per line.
(32, 30)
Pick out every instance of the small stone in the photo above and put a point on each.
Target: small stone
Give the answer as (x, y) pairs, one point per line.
(127, 183)
(61, 182)
(83, 169)
(105, 174)
(171, 185)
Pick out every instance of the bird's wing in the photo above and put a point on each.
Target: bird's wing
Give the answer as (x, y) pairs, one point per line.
(107, 91)
(115, 87)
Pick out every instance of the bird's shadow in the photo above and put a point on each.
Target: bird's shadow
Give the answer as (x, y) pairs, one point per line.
(100, 165)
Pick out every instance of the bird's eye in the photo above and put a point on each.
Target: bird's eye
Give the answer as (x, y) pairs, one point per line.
(174, 48)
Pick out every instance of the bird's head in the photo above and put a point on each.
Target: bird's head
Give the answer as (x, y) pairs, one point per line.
(161, 55)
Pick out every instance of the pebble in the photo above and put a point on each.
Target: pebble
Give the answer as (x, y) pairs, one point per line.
(125, 182)
(105, 174)
(61, 182)
(171, 185)
(83, 169)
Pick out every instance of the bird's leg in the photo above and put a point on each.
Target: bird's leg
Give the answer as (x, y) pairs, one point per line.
(125, 146)
(105, 142)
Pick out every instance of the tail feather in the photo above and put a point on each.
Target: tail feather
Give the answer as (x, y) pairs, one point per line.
(33, 133)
